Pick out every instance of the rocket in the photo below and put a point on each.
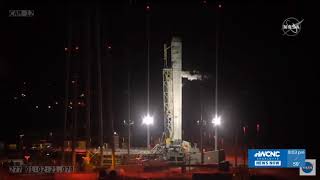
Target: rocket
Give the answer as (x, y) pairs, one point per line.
(172, 90)
(176, 62)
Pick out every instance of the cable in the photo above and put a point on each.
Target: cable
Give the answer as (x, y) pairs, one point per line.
(148, 56)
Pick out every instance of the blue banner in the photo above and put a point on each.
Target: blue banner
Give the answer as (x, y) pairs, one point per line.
(276, 158)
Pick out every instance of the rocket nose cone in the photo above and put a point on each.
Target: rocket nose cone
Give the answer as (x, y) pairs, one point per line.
(176, 39)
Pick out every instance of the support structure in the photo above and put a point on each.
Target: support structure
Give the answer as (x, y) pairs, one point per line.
(174, 150)
(66, 97)
(99, 67)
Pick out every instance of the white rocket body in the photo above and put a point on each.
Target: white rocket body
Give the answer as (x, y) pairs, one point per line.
(172, 90)
(176, 62)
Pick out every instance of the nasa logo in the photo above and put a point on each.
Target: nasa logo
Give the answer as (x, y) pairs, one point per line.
(291, 26)
(309, 169)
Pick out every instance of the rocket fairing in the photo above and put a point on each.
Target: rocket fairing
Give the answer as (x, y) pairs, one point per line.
(176, 60)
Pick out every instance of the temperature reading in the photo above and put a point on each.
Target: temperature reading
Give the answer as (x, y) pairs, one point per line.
(296, 164)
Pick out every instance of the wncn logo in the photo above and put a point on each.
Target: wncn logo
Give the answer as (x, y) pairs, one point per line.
(267, 154)
(264, 158)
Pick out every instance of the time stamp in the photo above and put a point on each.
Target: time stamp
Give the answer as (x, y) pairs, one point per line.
(40, 169)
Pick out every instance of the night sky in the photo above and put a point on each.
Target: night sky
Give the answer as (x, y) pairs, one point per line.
(264, 76)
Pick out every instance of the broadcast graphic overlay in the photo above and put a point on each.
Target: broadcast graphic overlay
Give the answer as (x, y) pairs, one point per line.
(276, 158)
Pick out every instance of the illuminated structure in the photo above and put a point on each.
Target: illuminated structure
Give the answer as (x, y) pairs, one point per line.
(148, 120)
(174, 149)
(172, 90)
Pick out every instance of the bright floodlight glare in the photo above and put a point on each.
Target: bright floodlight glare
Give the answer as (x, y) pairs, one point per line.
(147, 120)
(216, 120)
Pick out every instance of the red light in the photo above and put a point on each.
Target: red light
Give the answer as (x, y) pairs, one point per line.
(77, 48)
(220, 6)
(258, 127)
(109, 47)
(244, 129)
(65, 49)
(26, 157)
(147, 7)
(204, 2)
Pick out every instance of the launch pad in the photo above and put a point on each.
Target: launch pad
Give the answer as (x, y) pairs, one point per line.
(173, 148)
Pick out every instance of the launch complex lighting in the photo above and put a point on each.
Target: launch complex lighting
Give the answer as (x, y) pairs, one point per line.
(148, 120)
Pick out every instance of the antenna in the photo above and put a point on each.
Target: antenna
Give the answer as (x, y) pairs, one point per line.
(165, 56)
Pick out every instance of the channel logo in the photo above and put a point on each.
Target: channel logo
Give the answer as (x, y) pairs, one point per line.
(276, 158)
(263, 158)
(267, 154)
(309, 168)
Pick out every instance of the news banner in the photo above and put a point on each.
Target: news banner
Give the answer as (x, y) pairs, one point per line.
(282, 158)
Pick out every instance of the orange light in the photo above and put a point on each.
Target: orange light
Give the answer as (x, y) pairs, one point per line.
(86, 159)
